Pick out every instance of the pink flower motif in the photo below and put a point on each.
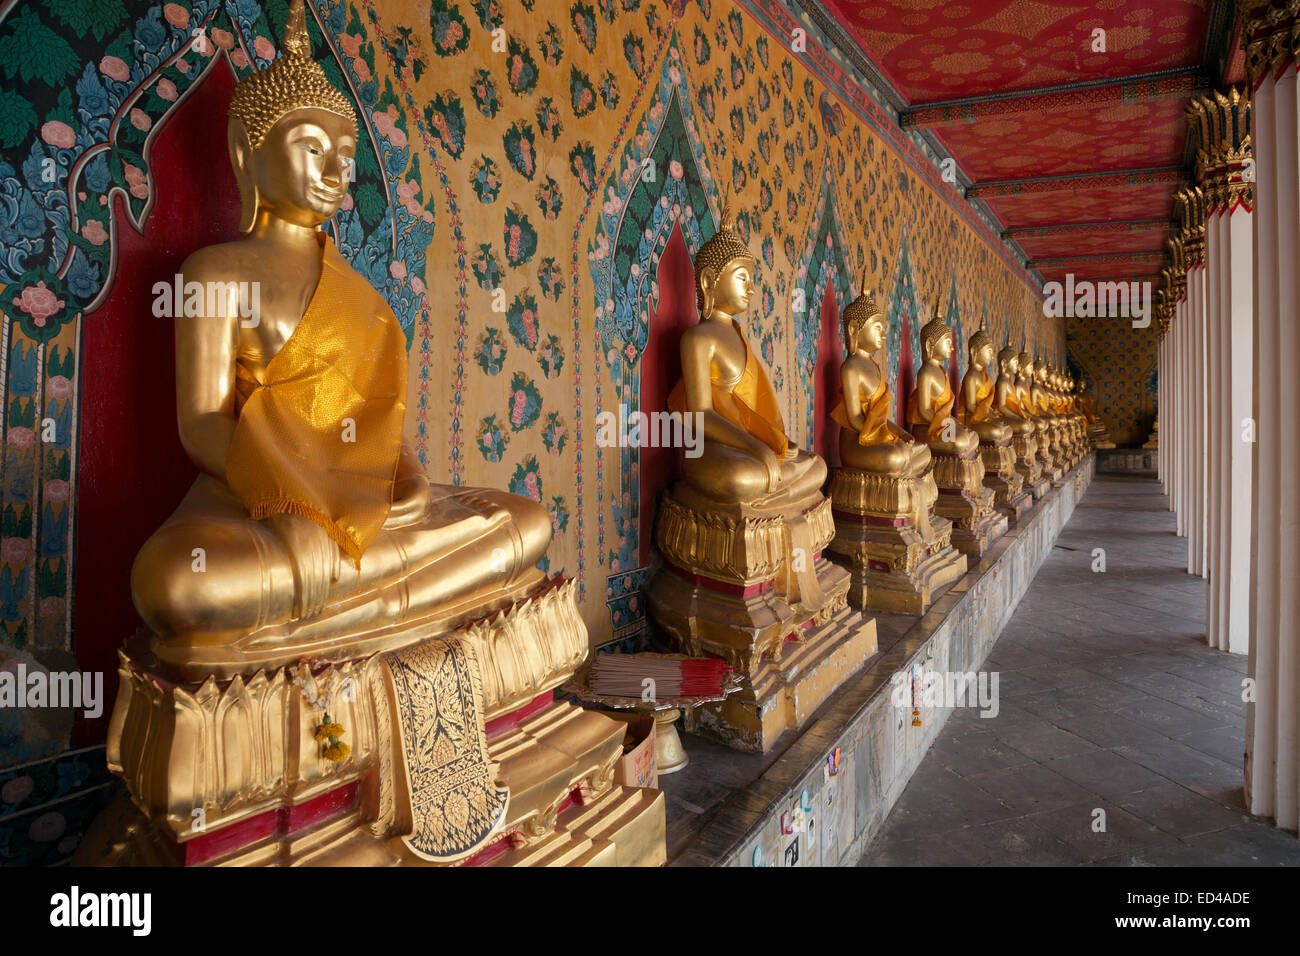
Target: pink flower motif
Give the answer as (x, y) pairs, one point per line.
(530, 324)
(397, 138)
(48, 827)
(17, 790)
(397, 270)
(417, 284)
(223, 38)
(351, 45)
(55, 490)
(140, 120)
(428, 216)
(347, 201)
(361, 70)
(59, 389)
(240, 59)
(167, 90)
(176, 15)
(413, 207)
(58, 134)
(183, 65)
(383, 122)
(114, 69)
(264, 48)
(530, 482)
(136, 179)
(14, 550)
(38, 302)
(407, 190)
(675, 169)
(514, 242)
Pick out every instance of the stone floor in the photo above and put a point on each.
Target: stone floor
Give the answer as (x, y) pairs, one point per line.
(1109, 700)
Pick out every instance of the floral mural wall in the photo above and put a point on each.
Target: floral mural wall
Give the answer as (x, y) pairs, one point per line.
(524, 165)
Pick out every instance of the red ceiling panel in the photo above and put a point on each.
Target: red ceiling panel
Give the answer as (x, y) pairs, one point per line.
(939, 49)
(1082, 204)
(1081, 242)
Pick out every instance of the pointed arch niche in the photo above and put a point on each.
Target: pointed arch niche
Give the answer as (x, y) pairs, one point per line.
(641, 254)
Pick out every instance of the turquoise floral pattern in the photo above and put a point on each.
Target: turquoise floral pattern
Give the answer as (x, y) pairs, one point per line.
(527, 479)
(485, 183)
(491, 352)
(525, 402)
(492, 439)
(554, 434)
(521, 319)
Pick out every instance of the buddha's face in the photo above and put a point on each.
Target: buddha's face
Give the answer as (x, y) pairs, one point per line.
(873, 334)
(941, 348)
(1010, 366)
(733, 287)
(982, 356)
(300, 169)
(1027, 369)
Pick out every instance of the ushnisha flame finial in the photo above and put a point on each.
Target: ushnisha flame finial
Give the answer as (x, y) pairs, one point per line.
(723, 248)
(294, 81)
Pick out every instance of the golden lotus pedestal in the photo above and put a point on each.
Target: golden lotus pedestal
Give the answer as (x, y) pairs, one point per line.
(1029, 465)
(965, 502)
(894, 564)
(730, 588)
(1008, 485)
(229, 772)
(1049, 451)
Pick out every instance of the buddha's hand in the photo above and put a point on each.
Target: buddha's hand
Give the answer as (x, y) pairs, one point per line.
(410, 500)
(315, 559)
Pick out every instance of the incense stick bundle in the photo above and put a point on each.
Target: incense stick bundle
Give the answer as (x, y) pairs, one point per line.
(625, 675)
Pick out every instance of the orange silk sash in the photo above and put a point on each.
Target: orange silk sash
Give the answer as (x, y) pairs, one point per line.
(983, 404)
(750, 404)
(875, 408)
(942, 411)
(320, 433)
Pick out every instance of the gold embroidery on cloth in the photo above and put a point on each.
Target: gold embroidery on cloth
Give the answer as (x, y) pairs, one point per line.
(455, 807)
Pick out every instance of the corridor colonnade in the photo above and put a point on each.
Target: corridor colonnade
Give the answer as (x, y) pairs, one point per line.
(1228, 314)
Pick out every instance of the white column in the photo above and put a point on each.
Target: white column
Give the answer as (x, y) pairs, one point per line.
(1272, 774)
(1182, 404)
(1216, 386)
(1197, 386)
(1239, 329)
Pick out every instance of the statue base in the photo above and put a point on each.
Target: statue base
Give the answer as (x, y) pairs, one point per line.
(230, 772)
(965, 501)
(1007, 484)
(897, 562)
(1029, 466)
(733, 587)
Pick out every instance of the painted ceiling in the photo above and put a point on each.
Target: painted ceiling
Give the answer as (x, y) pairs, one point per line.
(1077, 152)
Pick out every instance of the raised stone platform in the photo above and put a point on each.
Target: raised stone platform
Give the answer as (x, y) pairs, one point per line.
(819, 796)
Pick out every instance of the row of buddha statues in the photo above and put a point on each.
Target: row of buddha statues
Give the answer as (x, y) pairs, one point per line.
(344, 663)
(770, 557)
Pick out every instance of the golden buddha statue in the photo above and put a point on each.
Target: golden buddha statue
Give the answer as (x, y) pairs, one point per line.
(742, 533)
(1097, 433)
(958, 467)
(976, 410)
(931, 408)
(1040, 397)
(1024, 429)
(898, 552)
(1042, 424)
(868, 439)
(314, 588)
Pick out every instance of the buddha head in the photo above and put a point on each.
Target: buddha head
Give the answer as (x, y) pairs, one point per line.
(980, 349)
(936, 338)
(292, 136)
(864, 322)
(724, 272)
(1008, 361)
(1027, 365)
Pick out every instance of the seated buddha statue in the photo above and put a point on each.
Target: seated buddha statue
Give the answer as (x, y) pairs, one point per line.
(931, 406)
(976, 410)
(868, 439)
(746, 456)
(312, 522)
(1006, 395)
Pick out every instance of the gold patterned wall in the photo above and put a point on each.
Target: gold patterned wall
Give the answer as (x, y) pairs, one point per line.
(542, 273)
(1119, 362)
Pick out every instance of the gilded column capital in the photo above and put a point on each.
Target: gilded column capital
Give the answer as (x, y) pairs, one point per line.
(1270, 31)
(1224, 153)
(1190, 212)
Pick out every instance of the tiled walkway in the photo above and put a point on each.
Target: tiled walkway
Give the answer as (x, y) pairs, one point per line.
(1111, 700)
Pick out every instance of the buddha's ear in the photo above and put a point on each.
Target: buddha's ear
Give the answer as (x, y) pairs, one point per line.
(241, 160)
(705, 281)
